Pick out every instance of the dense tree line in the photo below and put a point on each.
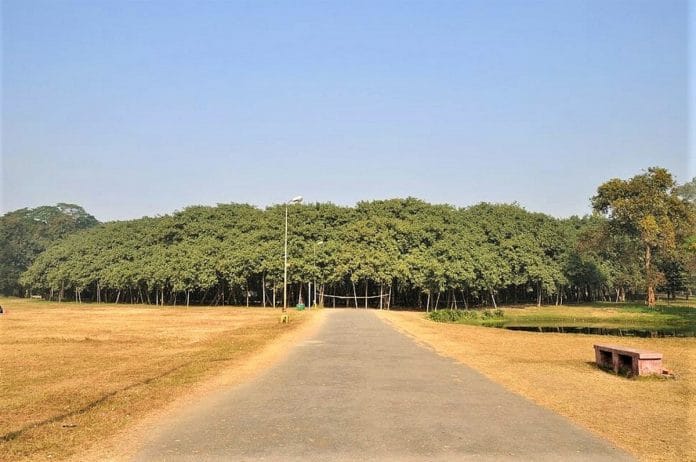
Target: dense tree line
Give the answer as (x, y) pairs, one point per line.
(383, 253)
(25, 233)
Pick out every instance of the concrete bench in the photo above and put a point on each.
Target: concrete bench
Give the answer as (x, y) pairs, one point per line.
(628, 361)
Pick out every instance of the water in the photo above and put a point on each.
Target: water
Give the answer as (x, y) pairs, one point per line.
(649, 333)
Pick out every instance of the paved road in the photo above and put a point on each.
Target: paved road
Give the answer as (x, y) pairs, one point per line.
(360, 390)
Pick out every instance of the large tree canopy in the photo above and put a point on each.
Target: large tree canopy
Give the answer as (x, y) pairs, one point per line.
(405, 250)
(649, 208)
(382, 253)
(26, 232)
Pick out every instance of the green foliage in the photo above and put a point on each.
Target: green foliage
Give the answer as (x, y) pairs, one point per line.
(687, 191)
(651, 209)
(26, 232)
(411, 252)
(466, 316)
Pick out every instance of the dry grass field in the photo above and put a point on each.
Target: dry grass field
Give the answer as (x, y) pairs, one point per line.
(72, 375)
(653, 418)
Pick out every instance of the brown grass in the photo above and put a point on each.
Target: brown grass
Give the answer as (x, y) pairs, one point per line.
(654, 419)
(72, 375)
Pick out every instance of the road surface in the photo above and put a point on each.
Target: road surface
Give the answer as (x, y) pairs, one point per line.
(360, 390)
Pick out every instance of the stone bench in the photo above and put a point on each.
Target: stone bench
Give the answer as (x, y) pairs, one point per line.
(628, 361)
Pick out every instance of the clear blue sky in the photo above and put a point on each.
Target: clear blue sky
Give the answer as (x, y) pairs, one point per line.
(141, 108)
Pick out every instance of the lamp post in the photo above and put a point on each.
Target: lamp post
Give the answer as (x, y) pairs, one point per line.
(294, 200)
(315, 270)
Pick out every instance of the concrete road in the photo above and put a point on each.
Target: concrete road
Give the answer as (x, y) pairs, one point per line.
(360, 390)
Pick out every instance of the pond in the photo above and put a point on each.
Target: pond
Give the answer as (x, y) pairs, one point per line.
(628, 332)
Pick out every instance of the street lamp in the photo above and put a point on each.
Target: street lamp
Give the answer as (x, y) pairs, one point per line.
(315, 270)
(294, 200)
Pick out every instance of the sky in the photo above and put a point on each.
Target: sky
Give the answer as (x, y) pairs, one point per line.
(143, 108)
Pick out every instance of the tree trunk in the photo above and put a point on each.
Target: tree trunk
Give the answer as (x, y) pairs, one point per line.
(648, 273)
(263, 290)
(205, 295)
(493, 298)
(366, 287)
(187, 297)
(274, 294)
(427, 303)
(381, 291)
(355, 294)
(538, 293)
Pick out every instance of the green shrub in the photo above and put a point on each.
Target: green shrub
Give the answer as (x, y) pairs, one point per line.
(492, 314)
(465, 316)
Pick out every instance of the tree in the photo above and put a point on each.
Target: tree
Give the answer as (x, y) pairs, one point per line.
(25, 233)
(401, 251)
(687, 191)
(649, 208)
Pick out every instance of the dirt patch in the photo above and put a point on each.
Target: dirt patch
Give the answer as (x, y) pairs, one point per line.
(654, 419)
(75, 375)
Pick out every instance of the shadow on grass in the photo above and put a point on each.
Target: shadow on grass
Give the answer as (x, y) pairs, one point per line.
(16, 433)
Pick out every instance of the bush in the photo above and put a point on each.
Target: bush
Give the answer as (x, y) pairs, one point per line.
(465, 316)
(493, 314)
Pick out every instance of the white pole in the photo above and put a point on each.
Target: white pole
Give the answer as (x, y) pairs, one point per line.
(294, 200)
(285, 266)
(315, 270)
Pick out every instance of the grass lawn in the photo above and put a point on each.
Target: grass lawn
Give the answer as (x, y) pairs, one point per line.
(72, 375)
(653, 418)
(607, 315)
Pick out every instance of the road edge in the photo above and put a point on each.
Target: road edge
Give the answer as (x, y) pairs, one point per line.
(124, 444)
